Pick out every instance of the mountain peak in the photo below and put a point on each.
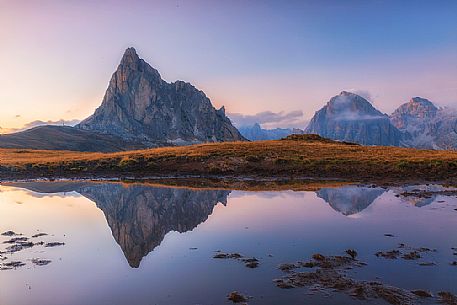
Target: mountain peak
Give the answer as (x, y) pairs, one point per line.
(130, 57)
(417, 107)
(348, 102)
(350, 117)
(422, 101)
(347, 93)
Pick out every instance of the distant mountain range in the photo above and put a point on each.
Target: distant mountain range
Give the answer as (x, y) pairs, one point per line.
(140, 110)
(418, 123)
(257, 133)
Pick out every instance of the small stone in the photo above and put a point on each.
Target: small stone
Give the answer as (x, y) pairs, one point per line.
(252, 264)
(15, 240)
(39, 235)
(447, 298)
(283, 285)
(236, 297)
(14, 264)
(318, 257)
(287, 267)
(413, 255)
(54, 244)
(427, 264)
(352, 253)
(388, 254)
(422, 293)
(40, 262)
(10, 233)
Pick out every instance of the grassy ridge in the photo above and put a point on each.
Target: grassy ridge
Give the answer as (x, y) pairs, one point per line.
(293, 157)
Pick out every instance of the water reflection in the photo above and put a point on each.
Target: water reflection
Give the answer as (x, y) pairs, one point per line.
(274, 227)
(140, 215)
(349, 200)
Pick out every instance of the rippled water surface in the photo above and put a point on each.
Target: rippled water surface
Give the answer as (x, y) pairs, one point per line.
(142, 244)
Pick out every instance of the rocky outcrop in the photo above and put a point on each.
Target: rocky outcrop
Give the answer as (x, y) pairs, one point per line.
(139, 105)
(349, 117)
(257, 133)
(426, 125)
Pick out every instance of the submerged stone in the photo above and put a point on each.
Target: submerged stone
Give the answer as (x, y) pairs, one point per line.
(40, 262)
(236, 297)
(10, 233)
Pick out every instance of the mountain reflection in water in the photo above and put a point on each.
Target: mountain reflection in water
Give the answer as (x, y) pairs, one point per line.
(275, 227)
(141, 215)
(349, 200)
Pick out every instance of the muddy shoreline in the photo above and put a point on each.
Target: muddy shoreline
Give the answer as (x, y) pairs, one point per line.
(249, 183)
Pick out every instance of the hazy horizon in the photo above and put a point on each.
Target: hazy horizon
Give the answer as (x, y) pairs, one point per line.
(267, 60)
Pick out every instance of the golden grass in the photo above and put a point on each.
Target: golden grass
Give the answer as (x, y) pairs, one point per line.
(285, 157)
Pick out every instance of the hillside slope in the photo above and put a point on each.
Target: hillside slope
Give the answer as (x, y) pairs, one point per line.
(65, 138)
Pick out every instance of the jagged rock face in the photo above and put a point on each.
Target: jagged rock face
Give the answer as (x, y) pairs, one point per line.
(427, 125)
(257, 133)
(349, 117)
(139, 105)
(349, 200)
(414, 112)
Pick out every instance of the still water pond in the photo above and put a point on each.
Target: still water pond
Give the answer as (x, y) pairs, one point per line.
(143, 244)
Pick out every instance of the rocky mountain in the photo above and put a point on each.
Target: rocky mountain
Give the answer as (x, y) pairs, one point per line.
(349, 117)
(257, 133)
(426, 125)
(66, 138)
(140, 106)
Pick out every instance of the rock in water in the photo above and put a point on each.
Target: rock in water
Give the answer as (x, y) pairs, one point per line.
(349, 117)
(139, 105)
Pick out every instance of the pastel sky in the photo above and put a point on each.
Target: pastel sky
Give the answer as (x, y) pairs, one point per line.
(276, 57)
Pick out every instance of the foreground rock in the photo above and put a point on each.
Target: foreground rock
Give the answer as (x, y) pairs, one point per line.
(447, 298)
(236, 297)
(249, 262)
(329, 274)
(19, 243)
(407, 253)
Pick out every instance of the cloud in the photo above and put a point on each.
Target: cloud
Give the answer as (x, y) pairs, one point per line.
(40, 123)
(269, 119)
